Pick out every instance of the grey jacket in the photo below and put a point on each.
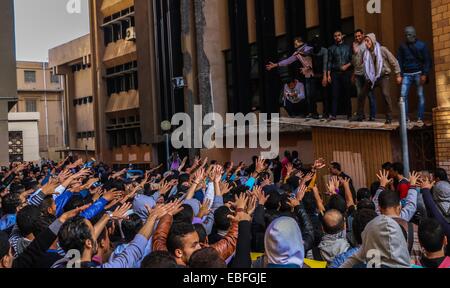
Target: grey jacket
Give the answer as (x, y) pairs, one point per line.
(441, 195)
(384, 245)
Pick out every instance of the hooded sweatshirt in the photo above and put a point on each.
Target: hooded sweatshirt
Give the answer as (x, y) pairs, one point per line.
(383, 238)
(333, 245)
(389, 61)
(284, 244)
(441, 195)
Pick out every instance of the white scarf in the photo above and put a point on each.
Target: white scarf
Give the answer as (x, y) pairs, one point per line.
(369, 64)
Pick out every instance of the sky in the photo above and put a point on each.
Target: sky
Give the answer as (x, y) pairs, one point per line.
(44, 24)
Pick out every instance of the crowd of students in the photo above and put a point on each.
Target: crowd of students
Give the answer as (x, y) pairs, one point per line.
(363, 66)
(270, 214)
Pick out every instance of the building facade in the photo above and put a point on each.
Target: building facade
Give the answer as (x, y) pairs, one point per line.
(24, 137)
(72, 61)
(39, 91)
(8, 86)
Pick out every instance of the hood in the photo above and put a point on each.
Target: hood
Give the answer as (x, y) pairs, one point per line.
(385, 235)
(22, 244)
(195, 204)
(441, 191)
(372, 37)
(139, 205)
(333, 245)
(284, 242)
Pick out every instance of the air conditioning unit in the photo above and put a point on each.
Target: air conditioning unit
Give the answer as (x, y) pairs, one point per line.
(131, 34)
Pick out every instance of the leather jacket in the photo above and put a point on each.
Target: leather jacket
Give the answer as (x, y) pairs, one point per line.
(225, 247)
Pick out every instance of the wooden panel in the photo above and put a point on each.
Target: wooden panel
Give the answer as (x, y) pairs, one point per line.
(312, 13)
(361, 153)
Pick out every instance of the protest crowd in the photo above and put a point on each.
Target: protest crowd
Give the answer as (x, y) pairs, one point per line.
(205, 214)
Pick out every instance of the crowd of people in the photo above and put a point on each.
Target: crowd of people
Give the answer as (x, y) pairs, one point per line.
(364, 66)
(206, 214)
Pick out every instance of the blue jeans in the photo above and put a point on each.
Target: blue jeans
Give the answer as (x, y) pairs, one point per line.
(408, 81)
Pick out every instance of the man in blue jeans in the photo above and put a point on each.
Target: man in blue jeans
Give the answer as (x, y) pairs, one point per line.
(415, 64)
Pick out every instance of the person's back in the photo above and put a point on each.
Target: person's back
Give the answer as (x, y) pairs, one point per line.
(433, 242)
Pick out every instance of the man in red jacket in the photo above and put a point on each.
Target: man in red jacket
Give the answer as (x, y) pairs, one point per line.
(400, 183)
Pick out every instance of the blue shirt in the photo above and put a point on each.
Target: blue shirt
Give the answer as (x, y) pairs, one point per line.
(7, 221)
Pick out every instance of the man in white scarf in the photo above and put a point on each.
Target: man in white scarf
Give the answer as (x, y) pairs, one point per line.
(378, 65)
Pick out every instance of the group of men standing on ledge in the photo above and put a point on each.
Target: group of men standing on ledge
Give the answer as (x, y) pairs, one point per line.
(367, 65)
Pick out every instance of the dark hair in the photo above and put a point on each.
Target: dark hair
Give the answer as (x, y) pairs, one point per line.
(299, 38)
(273, 201)
(333, 222)
(386, 166)
(4, 244)
(17, 188)
(177, 232)
(363, 193)
(293, 183)
(206, 258)
(131, 226)
(389, 199)
(43, 222)
(201, 231)
(336, 166)
(74, 202)
(159, 259)
(27, 218)
(366, 204)
(441, 174)
(184, 177)
(221, 221)
(185, 216)
(337, 202)
(287, 154)
(10, 203)
(360, 220)
(74, 233)
(398, 167)
(284, 206)
(359, 31)
(46, 203)
(294, 154)
(431, 235)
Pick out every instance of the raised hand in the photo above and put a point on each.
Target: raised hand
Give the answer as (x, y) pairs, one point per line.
(260, 196)
(49, 188)
(175, 207)
(293, 202)
(72, 213)
(301, 193)
(307, 178)
(251, 205)
(319, 164)
(224, 188)
(265, 182)
(289, 169)
(198, 176)
(112, 194)
(383, 176)
(204, 208)
(260, 165)
(217, 174)
(241, 201)
(427, 184)
(414, 178)
(120, 212)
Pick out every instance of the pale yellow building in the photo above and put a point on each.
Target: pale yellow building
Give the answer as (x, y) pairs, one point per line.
(40, 91)
(72, 61)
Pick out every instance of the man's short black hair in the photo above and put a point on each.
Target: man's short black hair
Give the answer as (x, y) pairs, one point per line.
(299, 38)
(75, 201)
(73, 234)
(206, 258)
(4, 244)
(389, 199)
(431, 235)
(46, 203)
(333, 222)
(441, 174)
(363, 193)
(27, 218)
(186, 215)
(159, 259)
(398, 167)
(360, 220)
(336, 166)
(43, 223)
(177, 232)
(221, 221)
(366, 204)
(201, 231)
(337, 202)
(386, 166)
(131, 226)
(359, 31)
(273, 201)
(10, 203)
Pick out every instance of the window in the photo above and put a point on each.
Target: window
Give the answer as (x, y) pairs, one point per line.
(30, 76)
(31, 106)
(54, 79)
